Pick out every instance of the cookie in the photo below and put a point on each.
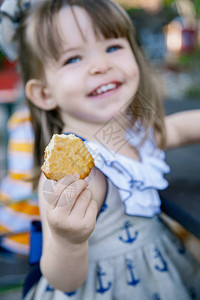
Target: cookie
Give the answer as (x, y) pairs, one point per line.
(64, 155)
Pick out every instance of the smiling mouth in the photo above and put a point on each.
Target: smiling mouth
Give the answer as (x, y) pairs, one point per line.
(105, 88)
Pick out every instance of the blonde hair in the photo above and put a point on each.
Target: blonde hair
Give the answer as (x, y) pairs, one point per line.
(39, 41)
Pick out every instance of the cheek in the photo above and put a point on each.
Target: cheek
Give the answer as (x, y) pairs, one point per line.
(135, 68)
(136, 76)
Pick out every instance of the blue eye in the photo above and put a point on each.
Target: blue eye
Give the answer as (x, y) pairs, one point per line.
(113, 48)
(72, 60)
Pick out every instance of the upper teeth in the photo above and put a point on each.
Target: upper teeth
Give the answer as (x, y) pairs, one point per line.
(105, 88)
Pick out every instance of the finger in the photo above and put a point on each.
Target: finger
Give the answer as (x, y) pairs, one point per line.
(91, 212)
(70, 194)
(60, 185)
(53, 189)
(81, 204)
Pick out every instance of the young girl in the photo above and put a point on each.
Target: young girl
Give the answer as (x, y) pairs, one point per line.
(102, 237)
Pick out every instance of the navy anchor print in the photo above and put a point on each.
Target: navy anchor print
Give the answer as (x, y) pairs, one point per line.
(163, 265)
(70, 294)
(131, 268)
(128, 237)
(180, 247)
(50, 289)
(103, 287)
(156, 296)
(103, 208)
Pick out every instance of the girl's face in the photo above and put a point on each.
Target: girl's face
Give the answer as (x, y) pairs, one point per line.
(94, 78)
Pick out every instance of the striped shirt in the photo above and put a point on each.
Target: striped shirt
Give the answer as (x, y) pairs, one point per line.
(18, 204)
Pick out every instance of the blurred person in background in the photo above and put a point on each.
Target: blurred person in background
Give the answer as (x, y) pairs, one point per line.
(18, 202)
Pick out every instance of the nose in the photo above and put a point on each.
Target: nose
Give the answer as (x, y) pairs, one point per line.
(100, 64)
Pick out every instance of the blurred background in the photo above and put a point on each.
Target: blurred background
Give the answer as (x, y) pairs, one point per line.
(168, 32)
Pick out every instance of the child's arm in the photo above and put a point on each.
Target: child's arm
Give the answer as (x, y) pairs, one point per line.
(68, 219)
(182, 128)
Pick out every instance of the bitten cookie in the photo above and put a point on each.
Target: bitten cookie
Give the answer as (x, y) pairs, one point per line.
(64, 155)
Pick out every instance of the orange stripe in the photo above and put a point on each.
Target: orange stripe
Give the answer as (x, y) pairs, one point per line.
(22, 238)
(3, 229)
(19, 183)
(23, 147)
(18, 176)
(18, 118)
(26, 208)
(4, 197)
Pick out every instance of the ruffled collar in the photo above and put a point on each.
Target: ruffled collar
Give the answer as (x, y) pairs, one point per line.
(137, 181)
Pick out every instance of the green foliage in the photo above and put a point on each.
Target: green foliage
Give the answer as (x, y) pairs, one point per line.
(168, 3)
(1, 56)
(190, 60)
(193, 92)
(197, 6)
(196, 3)
(133, 10)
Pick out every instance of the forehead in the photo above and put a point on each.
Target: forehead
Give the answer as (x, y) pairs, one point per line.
(69, 25)
(75, 25)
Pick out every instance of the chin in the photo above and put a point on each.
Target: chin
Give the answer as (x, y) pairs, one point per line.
(115, 114)
(106, 116)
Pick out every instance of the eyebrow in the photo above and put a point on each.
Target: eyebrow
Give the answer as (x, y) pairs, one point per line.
(70, 49)
(79, 47)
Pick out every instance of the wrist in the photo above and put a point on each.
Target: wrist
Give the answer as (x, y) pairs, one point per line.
(65, 258)
(58, 242)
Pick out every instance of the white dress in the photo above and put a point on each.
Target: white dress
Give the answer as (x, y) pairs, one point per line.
(132, 254)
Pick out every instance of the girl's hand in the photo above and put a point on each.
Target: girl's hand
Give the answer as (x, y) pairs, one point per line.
(71, 212)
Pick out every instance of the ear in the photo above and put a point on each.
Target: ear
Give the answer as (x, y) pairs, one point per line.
(39, 94)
